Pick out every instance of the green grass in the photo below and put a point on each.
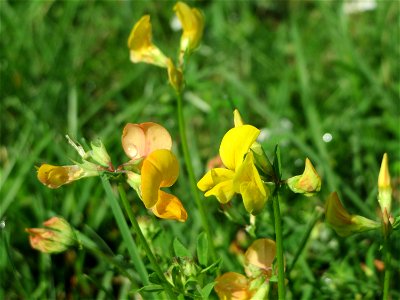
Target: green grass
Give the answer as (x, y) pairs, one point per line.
(295, 69)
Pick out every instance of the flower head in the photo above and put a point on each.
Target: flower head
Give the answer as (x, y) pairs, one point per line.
(192, 22)
(259, 258)
(141, 46)
(57, 236)
(240, 175)
(233, 286)
(139, 140)
(308, 183)
(344, 223)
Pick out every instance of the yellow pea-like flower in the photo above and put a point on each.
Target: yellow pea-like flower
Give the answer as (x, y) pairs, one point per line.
(233, 286)
(192, 21)
(240, 175)
(56, 176)
(141, 45)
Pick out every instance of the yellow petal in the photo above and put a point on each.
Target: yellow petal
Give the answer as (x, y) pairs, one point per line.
(139, 140)
(160, 169)
(232, 286)
(169, 207)
(218, 182)
(192, 22)
(56, 176)
(236, 143)
(237, 118)
(141, 46)
(259, 257)
(247, 182)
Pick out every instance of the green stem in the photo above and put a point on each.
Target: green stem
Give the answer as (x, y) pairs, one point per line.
(311, 224)
(144, 243)
(125, 232)
(388, 259)
(192, 179)
(279, 245)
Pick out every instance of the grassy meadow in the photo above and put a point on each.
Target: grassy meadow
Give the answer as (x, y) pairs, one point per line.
(320, 82)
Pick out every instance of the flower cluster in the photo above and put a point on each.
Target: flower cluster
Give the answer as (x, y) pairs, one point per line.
(152, 166)
(142, 48)
(258, 266)
(346, 224)
(248, 171)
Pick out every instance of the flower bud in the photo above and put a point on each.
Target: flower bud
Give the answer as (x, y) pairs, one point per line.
(57, 236)
(99, 154)
(175, 76)
(384, 187)
(308, 183)
(342, 222)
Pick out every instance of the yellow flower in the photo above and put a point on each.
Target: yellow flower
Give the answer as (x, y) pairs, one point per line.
(259, 257)
(384, 187)
(240, 174)
(233, 286)
(192, 22)
(342, 222)
(141, 46)
(139, 140)
(56, 176)
(161, 169)
(56, 237)
(308, 183)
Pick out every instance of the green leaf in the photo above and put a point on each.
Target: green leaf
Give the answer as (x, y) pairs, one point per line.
(179, 249)
(202, 249)
(205, 291)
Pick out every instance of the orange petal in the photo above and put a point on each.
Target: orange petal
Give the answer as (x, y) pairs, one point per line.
(232, 286)
(139, 140)
(169, 207)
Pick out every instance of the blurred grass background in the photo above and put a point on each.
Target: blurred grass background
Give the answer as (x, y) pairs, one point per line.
(298, 70)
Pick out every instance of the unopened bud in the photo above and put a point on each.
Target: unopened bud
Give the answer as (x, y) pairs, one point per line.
(384, 186)
(308, 183)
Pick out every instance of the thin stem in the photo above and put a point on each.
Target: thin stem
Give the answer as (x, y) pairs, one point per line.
(144, 243)
(192, 179)
(311, 224)
(388, 259)
(279, 245)
(125, 232)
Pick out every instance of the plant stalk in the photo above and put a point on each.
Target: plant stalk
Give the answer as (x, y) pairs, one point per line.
(125, 232)
(279, 245)
(144, 243)
(192, 179)
(388, 259)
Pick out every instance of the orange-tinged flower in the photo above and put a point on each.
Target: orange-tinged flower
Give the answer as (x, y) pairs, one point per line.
(161, 169)
(233, 286)
(259, 258)
(56, 176)
(56, 237)
(141, 46)
(192, 22)
(308, 183)
(139, 140)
